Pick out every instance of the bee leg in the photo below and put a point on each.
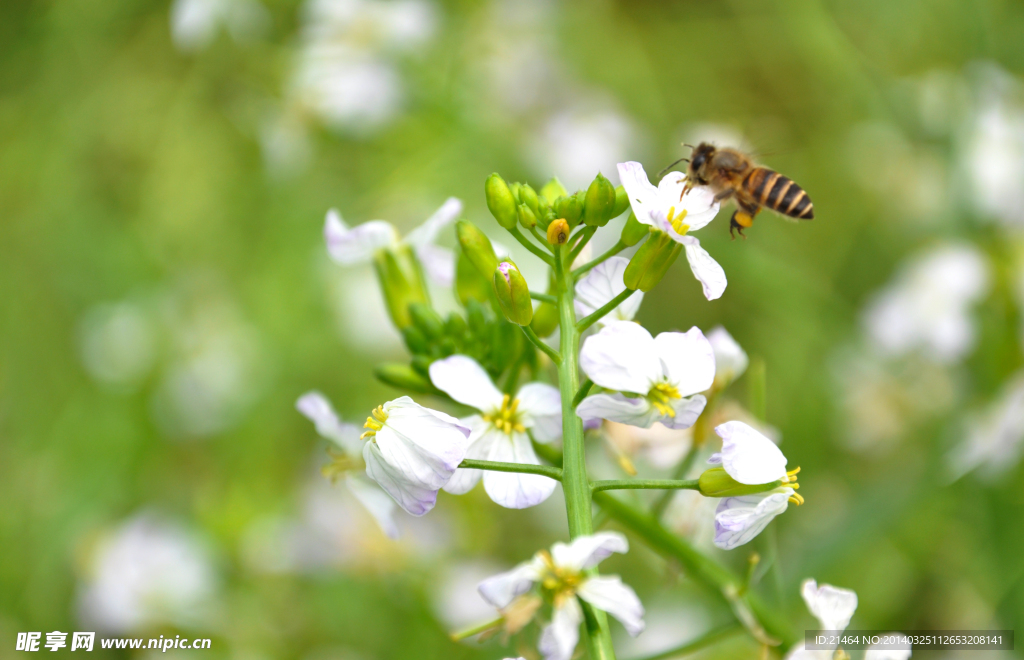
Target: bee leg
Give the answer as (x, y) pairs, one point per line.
(740, 220)
(724, 195)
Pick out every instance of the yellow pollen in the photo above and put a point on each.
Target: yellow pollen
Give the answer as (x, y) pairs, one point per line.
(790, 482)
(374, 423)
(563, 583)
(506, 418)
(661, 396)
(677, 221)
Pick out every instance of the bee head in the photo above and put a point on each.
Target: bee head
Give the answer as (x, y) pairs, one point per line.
(698, 160)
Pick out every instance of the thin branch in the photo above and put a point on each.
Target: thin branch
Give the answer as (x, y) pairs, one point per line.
(581, 243)
(635, 484)
(615, 249)
(544, 297)
(477, 629)
(588, 321)
(582, 392)
(705, 640)
(544, 256)
(524, 468)
(539, 343)
(539, 236)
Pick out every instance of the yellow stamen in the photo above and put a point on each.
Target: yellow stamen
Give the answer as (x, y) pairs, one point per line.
(563, 583)
(790, 482)
(506, 417)
(661, 396)
(374, 423)
(677, 221)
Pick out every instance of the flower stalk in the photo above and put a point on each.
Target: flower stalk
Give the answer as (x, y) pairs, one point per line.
(522, 468)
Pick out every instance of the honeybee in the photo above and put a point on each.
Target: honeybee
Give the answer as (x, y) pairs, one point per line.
(731, 173)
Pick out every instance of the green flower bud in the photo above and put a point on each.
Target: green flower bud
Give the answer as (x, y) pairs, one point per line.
(476, 318)
(545, 319)
(598, 202)
(427, 320)
(401, 280)
(527, 217)
(421, 365)
(513, 293)
(552, 190)
(570, 208)
(455, 326)
(651, 262)
(469, 283)
(415, 340)
(528, 196)
(558, 232)
(403, 377)
(515, 188)
(500, 201)
(621, 202)
(477, 247)
(716, 482)
(633, 232)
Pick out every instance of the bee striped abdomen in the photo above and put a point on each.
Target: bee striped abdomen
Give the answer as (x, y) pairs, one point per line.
(779, 193)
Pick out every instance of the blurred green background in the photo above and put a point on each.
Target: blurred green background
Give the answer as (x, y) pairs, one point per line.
(165, 294)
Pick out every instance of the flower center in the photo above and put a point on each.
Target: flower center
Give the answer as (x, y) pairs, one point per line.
(506, 418)
(561, 582)
(789, 481)
(677, 221)
(374, 423)
(661, 397)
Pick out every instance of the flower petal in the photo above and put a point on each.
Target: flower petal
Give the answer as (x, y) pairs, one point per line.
(619, 408)
(748, 456)
(427, 233)
(318, 410)
(739, 519)
(413, 498)
(438, 262)
(701, 207)
(464, 380)
(730, 358)
(688, 360)
(514, 490)
(902, 653)
(542, 404)
(643, 196)
(501, 589)
(423, 445)
(608, 593)
(376, 502)
(481, 436)
(623, 357)
(705, 269)
(559, 639)
(588, 551)
(602, 284)
(831, 606)
(687, 411)
(355, 245)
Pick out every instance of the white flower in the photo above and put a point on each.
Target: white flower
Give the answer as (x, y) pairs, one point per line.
(750, 458)
(874, 651)
(562, 577)
(194, 23)
(927, 308)
(602, 284)
(148, 573)
(413, 452)
(730, 359)
(996, 438)
(832, 607)
(655, 379)
(318, 410)
(667, 208)
(358, 244)
(500, 431)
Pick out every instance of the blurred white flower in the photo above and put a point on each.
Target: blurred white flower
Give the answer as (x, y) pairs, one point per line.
(561, 574)
(730, 359)
(692, 516)
(600, 285)
(118, 343)
(353, 245)
(995, 439)
(653, 379)
(832, 607)
(927, 307)
(659, 445)
(456, 601)
(146, 574)
(413, 451)
(577, 144)
(677, 213)
(194, 23)
(750, 458)
(318, 410)
(501, 432)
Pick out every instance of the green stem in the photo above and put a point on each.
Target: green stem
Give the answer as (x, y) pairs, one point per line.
(543, 297)
(762, 623)
(581, 242)
(705, 640)
(469, 632)
(539, 343)
(544, 256)
(582, 392)
(524, 468)
(634, 484)
(615, 249)
(588, 321)
(575, 482)
(541, 238)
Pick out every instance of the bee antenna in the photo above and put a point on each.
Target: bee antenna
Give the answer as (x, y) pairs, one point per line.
(665, 171)
(690, 146)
